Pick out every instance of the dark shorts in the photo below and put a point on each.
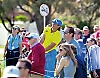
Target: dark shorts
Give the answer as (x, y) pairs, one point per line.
(12, 57)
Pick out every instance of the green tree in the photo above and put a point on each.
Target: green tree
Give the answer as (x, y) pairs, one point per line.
(83, 10)
(21, 18)
(86, 11)
(34, 5)
(5, 9)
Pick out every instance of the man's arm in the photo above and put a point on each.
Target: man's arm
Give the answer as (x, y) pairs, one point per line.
(60, 66)
(20, 48)
(42, 38)
(50, 46)
(93, 58)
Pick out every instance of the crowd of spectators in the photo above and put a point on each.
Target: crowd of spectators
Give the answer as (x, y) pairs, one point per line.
(29, 55)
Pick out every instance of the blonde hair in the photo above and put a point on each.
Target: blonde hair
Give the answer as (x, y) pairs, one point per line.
(69, 53)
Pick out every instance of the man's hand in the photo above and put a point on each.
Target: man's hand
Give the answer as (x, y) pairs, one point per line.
(58, 57)
(4, 54)
(95, 74)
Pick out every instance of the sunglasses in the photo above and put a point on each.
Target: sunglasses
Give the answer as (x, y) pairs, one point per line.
(66, 32)
(14, 28)
(12, 77)
(21, 68)
(23, 30)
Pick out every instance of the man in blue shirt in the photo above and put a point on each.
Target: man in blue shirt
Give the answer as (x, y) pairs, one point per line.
(86, 34)
(78, 38)
(69, 36)
(93, 57)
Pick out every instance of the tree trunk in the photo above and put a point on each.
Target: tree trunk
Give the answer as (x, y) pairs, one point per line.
(4, 24)
(39, 20)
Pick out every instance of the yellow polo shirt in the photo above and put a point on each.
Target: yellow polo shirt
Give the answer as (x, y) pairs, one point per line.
(51, 37)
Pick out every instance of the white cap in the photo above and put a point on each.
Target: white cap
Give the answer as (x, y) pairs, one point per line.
(11, 71)
(85, 28)
(33, 35)
(96, 27)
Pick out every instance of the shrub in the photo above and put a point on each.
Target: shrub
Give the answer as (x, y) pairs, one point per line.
(21, 18)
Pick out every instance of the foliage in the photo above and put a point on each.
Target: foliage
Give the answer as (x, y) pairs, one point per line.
(21, 18)
(68, 21)
(77, 11)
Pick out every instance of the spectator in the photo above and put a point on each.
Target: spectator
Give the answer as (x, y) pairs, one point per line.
(78, 38)
(98, 38)
(66, 60)
(27, 33)
(69, 36)
(36, 56)
(50, 38)
(23, 30)
(11, 72)
(86, 34)
(13, 47)
(24, 66)
(95, 29)
(24, 40)
(93, 58)
(81, 69)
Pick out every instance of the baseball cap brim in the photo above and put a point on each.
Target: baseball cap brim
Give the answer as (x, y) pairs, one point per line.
(85, 29)
(33, 35)
(57, 21)
(11, 75)
(29, 36)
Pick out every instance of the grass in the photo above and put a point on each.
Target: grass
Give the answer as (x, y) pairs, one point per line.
(1, 46)
(1, 64)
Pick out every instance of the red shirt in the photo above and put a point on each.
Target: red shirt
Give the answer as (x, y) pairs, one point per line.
(93, 35)
(37, 58)
(25, 43)
(98, 36)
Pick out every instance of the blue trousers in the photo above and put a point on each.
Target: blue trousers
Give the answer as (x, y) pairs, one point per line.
(50, 64)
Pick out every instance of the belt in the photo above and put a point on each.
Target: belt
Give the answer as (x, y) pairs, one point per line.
(13, 51)
(35, 75)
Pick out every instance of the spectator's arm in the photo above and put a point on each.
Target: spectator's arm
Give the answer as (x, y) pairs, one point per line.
(50, 46)
(29, 56)
(20, 47)
(5, 49)
(42, 38)
(60, 66)
(93, 58)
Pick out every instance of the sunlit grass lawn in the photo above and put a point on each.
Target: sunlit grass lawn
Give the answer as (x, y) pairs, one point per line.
(1, 64)
(1, 46)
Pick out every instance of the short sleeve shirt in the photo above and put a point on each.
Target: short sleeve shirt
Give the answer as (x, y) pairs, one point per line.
(51, 37)
(25, 43)
(93, 35)
(98, 36)
(13, 42)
